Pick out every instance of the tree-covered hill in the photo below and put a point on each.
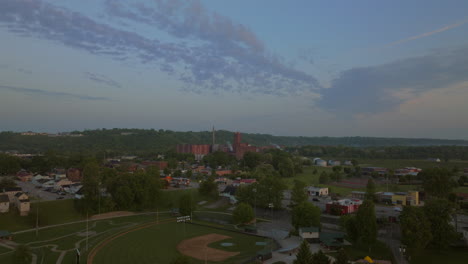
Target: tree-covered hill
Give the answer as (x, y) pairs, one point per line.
(144, 140)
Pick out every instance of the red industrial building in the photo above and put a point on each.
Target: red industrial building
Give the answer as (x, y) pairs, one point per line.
(238, 148)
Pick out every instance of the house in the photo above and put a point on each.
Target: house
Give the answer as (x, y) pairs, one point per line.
(320, 162)
(11, 192)
(24, 175)
(48, 184)
(22, 203)
(74, 175)
(243, 182)
(406, 198)
(311, 234)
(348, 163)
(62, 183)
(358, 195)
(4, 203)
(334, 163)
(343, 206)
(317, 191)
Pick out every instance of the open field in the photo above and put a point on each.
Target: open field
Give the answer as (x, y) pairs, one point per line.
(313, 179)
(401, 163)
(146, 245)
(50, 213)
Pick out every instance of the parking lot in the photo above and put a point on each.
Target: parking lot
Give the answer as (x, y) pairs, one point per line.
(40, 193)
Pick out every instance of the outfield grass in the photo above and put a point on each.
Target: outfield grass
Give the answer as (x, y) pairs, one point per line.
(157, 244)
(452, 256)
(4, 250)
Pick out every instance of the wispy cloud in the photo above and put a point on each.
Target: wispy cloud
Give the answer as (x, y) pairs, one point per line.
(427, 34)
(384, 87)
(102, 79)
(32, 91)
(226, 56)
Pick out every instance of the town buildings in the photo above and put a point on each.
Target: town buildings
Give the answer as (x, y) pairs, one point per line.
(238, 148)
(317, 191)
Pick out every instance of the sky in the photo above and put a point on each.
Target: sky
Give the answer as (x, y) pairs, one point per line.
(293, 68)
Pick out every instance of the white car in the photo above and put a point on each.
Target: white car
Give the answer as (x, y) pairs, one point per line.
(398, 209)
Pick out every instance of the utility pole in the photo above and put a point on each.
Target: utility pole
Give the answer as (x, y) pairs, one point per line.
(87, 230)
(37, 220)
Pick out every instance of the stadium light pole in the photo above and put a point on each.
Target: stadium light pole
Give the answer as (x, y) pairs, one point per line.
(255, 205)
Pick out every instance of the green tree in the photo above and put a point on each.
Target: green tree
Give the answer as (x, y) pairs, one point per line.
(367, 223)
(91, 179)
(415, 229)
(186, 204)
(439, 212)
(337, 168)
(252, 159)
(243, 213)
(245, 194)
(305, 215)
(298, 194)
(22, 255)
(189, 174)
(286, 167)
(342, 257)
(208, 187)
(437, 182)
(370, 190)
(349, 224)
(6, 182)
(324, 178)
(270, 190)
(304, 256)
(320, 258)
(9, 164)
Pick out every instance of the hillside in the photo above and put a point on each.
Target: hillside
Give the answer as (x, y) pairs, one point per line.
(140, 140)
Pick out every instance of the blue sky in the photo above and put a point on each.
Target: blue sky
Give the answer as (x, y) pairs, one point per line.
(309, 68)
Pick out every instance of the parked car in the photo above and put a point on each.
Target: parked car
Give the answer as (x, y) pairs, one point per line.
(60, 198)
(315, 199)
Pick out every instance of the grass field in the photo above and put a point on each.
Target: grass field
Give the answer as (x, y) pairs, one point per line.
(309, 178)
(146, 245)
(50, 213)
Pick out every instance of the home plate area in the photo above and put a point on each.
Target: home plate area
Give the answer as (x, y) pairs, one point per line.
(197, 247)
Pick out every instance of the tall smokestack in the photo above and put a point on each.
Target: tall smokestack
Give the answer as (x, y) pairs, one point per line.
(213, 136)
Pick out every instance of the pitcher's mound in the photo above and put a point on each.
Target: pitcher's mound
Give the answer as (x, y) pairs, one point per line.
(197, 247)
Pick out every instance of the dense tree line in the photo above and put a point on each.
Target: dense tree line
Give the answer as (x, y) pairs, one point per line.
(390, 152)
(138, 141)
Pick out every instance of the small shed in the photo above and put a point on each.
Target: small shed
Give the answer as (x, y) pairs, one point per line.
(332, 240)
(310, 234)
(264, 254)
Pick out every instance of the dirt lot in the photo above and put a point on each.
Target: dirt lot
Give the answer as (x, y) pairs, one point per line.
(197, 247)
